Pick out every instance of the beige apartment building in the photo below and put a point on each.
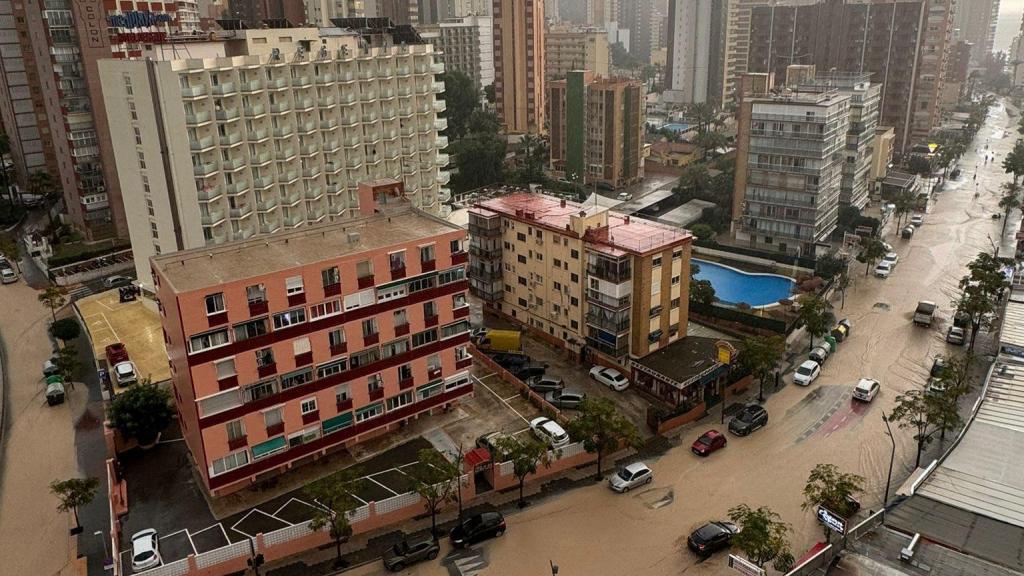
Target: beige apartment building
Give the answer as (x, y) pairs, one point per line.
(271, 130)
(596, 128)
(519, 64)
(465, 44)
(590, 280)
(568, 48)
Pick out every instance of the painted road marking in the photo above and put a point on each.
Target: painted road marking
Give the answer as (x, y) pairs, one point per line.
(393, 493)
(503, 401)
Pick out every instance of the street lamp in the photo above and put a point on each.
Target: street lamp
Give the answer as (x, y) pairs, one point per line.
(108, 562)
(892, 457)
(554, 568)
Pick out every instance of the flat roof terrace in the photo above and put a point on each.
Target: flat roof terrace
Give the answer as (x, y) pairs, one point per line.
(136, 324)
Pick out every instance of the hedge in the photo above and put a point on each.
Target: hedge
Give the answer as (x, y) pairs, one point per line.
(802, 261)
(732, 315)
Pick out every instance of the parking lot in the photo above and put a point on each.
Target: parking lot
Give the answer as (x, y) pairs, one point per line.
(136, 324)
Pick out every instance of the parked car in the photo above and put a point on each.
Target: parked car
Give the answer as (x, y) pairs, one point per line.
(711, 537)
(907, 233)
(709, 442)
(490, 442)
(145, 550)
(565, 399)
(477, 528)
(883, 270)
(8, 276)
(917, 220)
(955, 335)
(937, 366)
(806, 373)
(125, 373)
(116, 353)
(866, 389)
(410, 551)
(116, 281)
(750, 418)
(510, 360)
(936, 386)
(892, 258)
(532, 370)
(610, 377)
(544, 384)
(549, 431)
(636, 474)
(819, 354)
(624, 197)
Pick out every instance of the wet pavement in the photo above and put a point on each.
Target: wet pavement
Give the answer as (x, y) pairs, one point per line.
(594, 531)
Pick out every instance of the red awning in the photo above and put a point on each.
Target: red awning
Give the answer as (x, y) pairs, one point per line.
(476, 457)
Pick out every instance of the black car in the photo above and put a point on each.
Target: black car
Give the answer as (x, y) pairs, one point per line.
(938, 365)
(750, 418)
(527, 371)
(410, 551)
(478, 528)
(711, 537)
(510, 360)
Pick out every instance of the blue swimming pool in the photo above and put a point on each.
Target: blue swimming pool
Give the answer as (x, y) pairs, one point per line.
(676, 127)
(733, 286)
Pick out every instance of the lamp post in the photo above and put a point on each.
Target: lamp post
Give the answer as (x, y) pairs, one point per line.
(892, 457)
(554, 568)
(108, 562)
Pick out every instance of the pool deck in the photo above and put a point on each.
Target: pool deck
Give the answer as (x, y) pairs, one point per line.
(136, 324)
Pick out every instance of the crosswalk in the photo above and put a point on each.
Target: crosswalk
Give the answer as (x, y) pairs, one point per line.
(468, 563)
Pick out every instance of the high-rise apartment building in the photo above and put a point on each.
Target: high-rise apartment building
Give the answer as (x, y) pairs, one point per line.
(321, 12)
(582, 277)
(637, 16)
(789, 169)
(287, 348)
(399, 11)
(596, 131)
(975, 22)
(696, 52)
(904, 44)
(569, 48)
(276, 136)
(519, 64)
(466, 44)
(255, 12)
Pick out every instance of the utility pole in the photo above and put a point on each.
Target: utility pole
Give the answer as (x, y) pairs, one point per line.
(892, 457)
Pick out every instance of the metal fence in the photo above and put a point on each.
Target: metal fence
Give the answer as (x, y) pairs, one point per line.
(828, 553)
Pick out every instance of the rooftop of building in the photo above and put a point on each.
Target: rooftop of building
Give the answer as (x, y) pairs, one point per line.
(622, 234)
(200, 268)
(683, 360)
(663, 147)
(897, 178)
(877, 553)
(824, 97)
(599, 81)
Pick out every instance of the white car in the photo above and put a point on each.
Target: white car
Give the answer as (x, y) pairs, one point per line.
(916, 220)
(892, 258)
(8, 276)
(866, 389)
(610, 377)
(116, 281)
(806, 373)
(883, 270)
(623, 197)
(636, 474)
(145, 550)
(125, 373)
(549, 431)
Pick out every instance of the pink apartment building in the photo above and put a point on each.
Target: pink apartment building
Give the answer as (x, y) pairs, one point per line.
(284, 348)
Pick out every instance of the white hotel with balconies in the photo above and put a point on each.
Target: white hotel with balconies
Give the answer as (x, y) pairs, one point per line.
(265, 130)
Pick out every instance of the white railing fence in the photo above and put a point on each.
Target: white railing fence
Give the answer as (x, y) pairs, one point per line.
(287, 534)
(179, 568)
(397, 502)
(224, 554)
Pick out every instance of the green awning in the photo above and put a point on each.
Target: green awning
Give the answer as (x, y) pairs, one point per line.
(268, 447)
(337, 423)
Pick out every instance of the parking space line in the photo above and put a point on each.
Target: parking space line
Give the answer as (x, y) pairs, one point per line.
(190, 542)
(513, 397)
(488, 388)
(370, 478)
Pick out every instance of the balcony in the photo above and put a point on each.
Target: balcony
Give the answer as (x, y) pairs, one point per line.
(387, 94)
(260, 135)
(227, 114)
(277, 84)
(403, 71)
(483, 274)
(232, 164)
(339, 349)
(440, 106)
(212, 218)
(255, 110)
(329, 124)
(262, 182)
(280, 107)
(325, 78)
(441, 142)
(251, 86)
(225, 89)
(371, 339)
(303, 104)
(607, 349)
(294, 221)
(283, 131)
(331, 146)
(368, 96)
(309, 149)
(275, 429)
(430, 321)
(402, 329)
(376, 394)
(287, 177)
(437, 68)
(440, 124)
(239, 442)
(210, 194)
(607, 301)
(441, 160)
(285, 154)
(241, 211)
(349, 121)
(444, 194)
(300, 81)
(197, 119)
(365, 281)
(292, 199)
(231, 139)
(204, 169)
(236, 188)
(193, 92)
(266, 205)
(269, 228)
(312, 172)
(201, 145)
(315, 214)
(346, 77)
(354, 161)
(616, 274)
(314, 193)
(307, 127)
(444, 178)
(428, 265)
(609, 323)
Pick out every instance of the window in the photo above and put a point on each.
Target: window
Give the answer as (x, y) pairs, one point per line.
(675, 303)
(293, 285)
(522, 281)
(401, 319)
(521, 259)
(521, 237)
(394, 348)
(461, 353)
(455, 329)
(422, 283)
(331, 368)
(256, 293)
(359, 299)
(289, 318)
(260, 390)
(308, 405)
(208, 340)
(330, 276)
(405, 372)
(574, 325)
(655, 312)
(431, 389)
(557, 286)
(575, 254)
(459, 300)
(429, 309)
(656, 261)
(265, 357)
(451, 275)
(434, 362)
(455, 246)
(304, 437)
(229, 462)
(654, 336)
(369, 327)
(397, 260)
(400, 400)
(296, 378)
(250, 329)
(235, 430)
(341, 393)
(391, 292)
(574, 277)
(574, 301)
(675, 280)
(523, 303)
(329, 308)
(427, 253)
(215, 304)
(371, 411)
(374, 382)
(558, 263)
(425, 337)
(225, 368)
(272, 417)
(677, 254)
(336, 337)
(364, 269)
(364, 357)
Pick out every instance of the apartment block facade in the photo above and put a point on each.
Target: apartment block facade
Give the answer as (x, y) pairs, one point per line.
(568, 48)
(696, 52)
(596, 129)
(975, 22)
(595, 282)
(465, 44)
(273, 130)
(519, 64)
(285, 349)
(790, 153)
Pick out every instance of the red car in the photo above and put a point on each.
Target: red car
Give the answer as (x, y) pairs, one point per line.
(116, 353)
(708, 442)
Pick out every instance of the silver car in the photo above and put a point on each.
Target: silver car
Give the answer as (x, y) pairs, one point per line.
(636, 474)
(565, 399)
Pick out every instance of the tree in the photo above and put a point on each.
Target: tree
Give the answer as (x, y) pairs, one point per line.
(54, 297)
(816, 315)
(483, 121)
(710, 140)
(702, 115)
(68, 364)
(621, 58)
(981, 289)
(977, 305)
(1013, 163)
(917, 411)
(489, 93)
(701, 291)
(335, 498)
(525, 455)
(602, 429)
(9, 248)
(141, 412)
(904, 201)
(65, 329)
(74, 493)
(762, 536)
(956, 375)
(919, 165)
(703, 232)
(828, 267)
(1008, 202)
(871, 249)
(761, 355)
(532, 157)
(435, 480)
(827, 486)
(462, 97)
(480, 158)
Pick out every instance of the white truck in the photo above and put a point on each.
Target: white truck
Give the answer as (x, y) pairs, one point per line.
(924, 313)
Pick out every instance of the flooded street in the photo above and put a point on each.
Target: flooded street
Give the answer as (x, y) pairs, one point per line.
(595, 531)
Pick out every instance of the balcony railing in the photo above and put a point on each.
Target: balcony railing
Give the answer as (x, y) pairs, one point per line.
(607, 301)
(613, 351)
(615, 275)
(609, 324)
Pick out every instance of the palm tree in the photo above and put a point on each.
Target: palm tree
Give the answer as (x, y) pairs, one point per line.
(703, 115)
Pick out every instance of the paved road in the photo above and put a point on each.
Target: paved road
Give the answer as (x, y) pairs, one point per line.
(593, 531)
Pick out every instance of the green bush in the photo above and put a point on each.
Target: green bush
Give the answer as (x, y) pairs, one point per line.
(65, 329)
(141, 412)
